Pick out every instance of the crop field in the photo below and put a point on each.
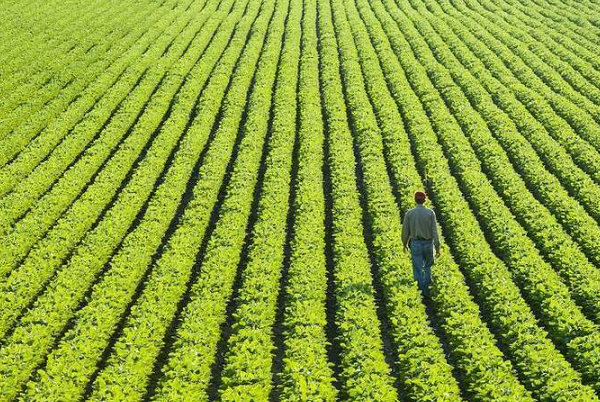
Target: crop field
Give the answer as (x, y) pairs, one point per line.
(203, 200)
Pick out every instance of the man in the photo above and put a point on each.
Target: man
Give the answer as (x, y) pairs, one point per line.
(419, 230)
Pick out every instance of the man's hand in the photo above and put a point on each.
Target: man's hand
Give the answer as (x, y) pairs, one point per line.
(405, 248)
(438, 253)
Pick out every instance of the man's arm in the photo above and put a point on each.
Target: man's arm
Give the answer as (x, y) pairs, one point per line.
(405, 230)
(434, 231)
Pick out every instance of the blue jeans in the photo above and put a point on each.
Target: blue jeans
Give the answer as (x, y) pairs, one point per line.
(421, 252)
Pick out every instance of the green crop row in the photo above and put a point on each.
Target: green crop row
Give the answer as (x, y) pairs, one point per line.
(58, 38)
(202, 199)
(573, 14)
(64, 71)
(574, 129)
(95, 322)
(551, 240)
(167, 198)
(569, 212)
(52, 67)
(554, 71)
(90, 111)
(130, 364)
(48, 23)
(85, 151)
(489, 376)
(16, 12)
(33, 336)
(21, 284)
(577, 16)
(32, 141)
(364, 373)
(539, 283)
(578, 21)
(188, 370)
(583, 278)
(414, 335)
(256, 301)
(569, 41)
(36, 221)
(152, 93)
(562, 119)
(306, 373)
(509, 315)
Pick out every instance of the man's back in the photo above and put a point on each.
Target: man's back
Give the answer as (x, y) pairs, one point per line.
(420, 223)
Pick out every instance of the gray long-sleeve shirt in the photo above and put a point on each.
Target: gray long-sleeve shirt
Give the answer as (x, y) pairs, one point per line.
(420, 222)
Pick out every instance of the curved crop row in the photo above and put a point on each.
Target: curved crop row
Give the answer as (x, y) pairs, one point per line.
(577, 19)
(130, 364)
(116, 147)
(578, 16)
(402, 300)
(22, 284)
(16, 12)
(187, 372)
(561, 66)
(33, 141)
(489, 376)
(30, 143)
(256, 301)
(96, 321)
(16, 291)
(22, 74)
(59, 38)
(306, 371)
(577, 131)
(34, 335)
(546, 73)
(86, 150)
(64, 290)
(540, 284)
(523, 156)
(48, 23)
(541, 367)
(118, 133)
(63, 70)
(202, 200)
(554, 43)
(570, 41)
(465, 97)
(364, 373)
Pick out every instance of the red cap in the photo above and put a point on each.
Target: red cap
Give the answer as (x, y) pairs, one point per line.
(420, 196)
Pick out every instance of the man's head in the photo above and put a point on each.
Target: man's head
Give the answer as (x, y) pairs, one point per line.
(420, 197)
